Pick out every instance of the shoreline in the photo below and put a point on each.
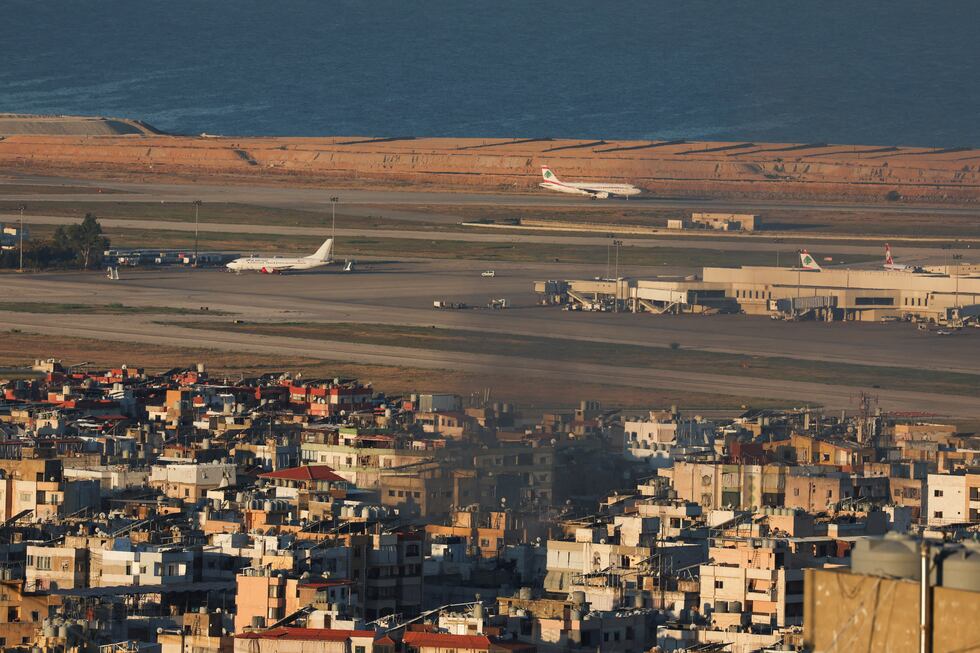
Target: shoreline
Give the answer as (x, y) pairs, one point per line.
(668, 169)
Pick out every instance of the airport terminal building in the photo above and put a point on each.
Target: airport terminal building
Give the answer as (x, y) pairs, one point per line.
(838, 294)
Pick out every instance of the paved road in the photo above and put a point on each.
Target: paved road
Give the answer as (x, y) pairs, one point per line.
(922, 255)
(127, 329)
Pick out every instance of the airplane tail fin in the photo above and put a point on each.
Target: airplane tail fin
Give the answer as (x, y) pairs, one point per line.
(324, 253)
(547, 174)
(888, 255)
(807, 262)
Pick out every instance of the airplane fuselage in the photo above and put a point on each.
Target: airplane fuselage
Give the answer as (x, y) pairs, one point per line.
(596, 191)
(274, 264)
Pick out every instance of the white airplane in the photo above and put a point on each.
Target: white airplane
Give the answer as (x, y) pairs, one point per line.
(890, 263)
(595, 191)
(278, 264)
(808, 263)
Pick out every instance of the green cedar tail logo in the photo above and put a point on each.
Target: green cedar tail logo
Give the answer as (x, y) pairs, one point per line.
(807, 260)
(547, 174)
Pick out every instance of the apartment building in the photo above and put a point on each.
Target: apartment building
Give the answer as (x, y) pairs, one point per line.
(265, 596)
(663, 434)
(736, 486)
(757, 581)
(952, 499)
(359, 458)
(306, 640)
(56, 567)
(191, 482)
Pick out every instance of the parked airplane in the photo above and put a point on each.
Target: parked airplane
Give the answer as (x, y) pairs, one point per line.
(277, 264)
(890, 263)
(595, 191)
(807, 262)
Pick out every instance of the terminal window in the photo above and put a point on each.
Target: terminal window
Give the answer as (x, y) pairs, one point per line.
(874, 301)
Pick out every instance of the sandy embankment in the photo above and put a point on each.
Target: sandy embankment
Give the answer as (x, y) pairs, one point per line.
(675, 168)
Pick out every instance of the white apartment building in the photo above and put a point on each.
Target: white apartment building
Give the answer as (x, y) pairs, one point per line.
(660, 437)
(945, 500)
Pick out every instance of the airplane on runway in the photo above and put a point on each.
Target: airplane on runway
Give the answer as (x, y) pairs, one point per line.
(595, 191)
(278, 265)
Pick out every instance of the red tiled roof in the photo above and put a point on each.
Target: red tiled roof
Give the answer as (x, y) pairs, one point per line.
(318, 634)
(305, 473)
(446, 640)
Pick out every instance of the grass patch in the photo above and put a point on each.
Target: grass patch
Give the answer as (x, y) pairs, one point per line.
(634, 356)
(876, 221)
(35, 189)
(101, 309)
(452, 249)
(222, 212)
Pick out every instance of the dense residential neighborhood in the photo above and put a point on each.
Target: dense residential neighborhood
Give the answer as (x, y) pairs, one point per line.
(175, 512)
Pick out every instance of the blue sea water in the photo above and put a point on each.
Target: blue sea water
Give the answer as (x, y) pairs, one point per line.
(899, 72)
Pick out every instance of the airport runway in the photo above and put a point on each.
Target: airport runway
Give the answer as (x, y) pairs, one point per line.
(496, 367)
(320, 198)
(922, 255)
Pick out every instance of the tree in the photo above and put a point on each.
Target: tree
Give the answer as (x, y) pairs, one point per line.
(85, 240)
(78, 245)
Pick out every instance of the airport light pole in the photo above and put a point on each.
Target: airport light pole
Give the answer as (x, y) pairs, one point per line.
(197, 211)
(333, 223)
(20, 235)
(617, 243)
(957, 257)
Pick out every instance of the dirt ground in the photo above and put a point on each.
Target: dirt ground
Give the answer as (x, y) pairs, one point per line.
(20, 349)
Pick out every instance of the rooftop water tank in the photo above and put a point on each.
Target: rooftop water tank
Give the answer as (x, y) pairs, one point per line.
(961, 569)
(893, 555)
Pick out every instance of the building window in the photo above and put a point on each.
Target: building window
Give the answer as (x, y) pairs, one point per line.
(938, 514)
(719, 584)
(937, 493)
(44, 563)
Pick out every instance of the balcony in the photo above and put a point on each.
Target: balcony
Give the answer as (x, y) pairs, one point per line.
(760, 595)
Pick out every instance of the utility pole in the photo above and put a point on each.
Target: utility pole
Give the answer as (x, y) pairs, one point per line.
(20, 234)
(197, 210)
(925, 622)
